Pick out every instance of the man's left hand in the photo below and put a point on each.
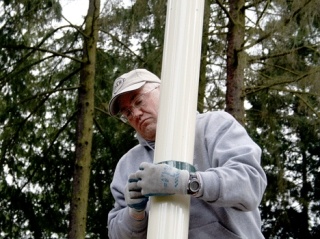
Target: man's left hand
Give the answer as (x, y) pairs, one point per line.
(161, 179)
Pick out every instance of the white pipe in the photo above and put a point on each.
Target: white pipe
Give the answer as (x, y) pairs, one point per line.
(169, 216)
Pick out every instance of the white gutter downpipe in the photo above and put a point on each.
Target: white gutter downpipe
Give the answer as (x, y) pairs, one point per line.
(169, 215)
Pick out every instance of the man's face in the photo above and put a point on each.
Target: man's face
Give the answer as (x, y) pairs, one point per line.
(143, 118)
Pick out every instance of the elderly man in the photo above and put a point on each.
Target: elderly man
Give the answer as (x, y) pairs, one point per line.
(226, 185)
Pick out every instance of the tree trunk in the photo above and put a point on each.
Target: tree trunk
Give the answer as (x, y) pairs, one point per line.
(305, 192)
(203, 60)
(81, 177)
(235, 60)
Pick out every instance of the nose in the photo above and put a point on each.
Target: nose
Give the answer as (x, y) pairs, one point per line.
(136, 112)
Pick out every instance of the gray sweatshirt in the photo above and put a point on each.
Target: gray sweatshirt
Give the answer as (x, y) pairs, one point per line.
(233, 182)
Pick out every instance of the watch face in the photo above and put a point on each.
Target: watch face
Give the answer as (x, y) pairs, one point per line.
(194, 186)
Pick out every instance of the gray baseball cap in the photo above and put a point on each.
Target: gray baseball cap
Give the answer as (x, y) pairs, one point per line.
(130, 81)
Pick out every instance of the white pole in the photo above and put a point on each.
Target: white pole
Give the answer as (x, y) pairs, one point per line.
(169, 216)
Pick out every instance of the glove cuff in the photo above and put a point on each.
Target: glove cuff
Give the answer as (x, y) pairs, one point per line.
(184, 179)
(185, 170)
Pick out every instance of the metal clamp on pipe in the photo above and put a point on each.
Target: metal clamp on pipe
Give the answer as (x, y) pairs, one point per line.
(180, 165)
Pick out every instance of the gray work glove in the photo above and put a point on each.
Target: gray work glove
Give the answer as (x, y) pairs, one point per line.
(136, 202)
(161, 180)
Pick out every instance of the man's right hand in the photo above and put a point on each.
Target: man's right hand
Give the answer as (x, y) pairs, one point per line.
(136, 202)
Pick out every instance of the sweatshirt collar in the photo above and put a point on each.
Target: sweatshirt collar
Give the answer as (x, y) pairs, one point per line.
(145, 143)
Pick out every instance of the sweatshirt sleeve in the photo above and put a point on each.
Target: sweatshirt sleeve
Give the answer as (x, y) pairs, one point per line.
(235, 177)
(120, 224)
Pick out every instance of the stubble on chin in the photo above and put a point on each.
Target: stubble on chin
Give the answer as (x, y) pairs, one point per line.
(149, 131)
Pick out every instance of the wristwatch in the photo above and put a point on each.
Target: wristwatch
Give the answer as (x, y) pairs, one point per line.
(193, 184)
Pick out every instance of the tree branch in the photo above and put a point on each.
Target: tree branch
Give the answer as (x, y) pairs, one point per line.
(305, 101)
(21, 46)
(225, 10)
(251, 90)
(123, 44)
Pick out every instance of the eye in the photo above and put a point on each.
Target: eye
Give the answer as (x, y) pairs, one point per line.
(126, 113)
(138, 102)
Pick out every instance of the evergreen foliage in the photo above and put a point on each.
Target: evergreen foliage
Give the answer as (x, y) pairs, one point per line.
(40, 62)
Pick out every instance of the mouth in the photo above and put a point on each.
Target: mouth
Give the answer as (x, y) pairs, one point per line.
(143, 122)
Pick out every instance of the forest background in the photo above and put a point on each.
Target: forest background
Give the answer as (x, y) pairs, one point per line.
(59, 146)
